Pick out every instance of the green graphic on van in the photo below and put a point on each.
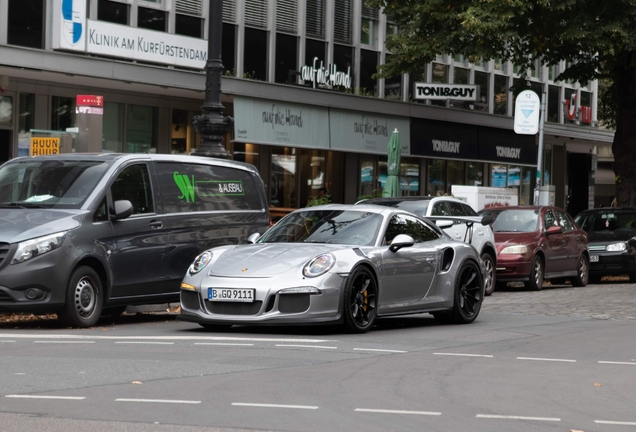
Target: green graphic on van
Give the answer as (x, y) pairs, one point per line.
(206, 188)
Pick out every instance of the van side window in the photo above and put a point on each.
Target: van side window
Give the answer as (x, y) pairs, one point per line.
(192, 187)
(133, 184)
(101, 214)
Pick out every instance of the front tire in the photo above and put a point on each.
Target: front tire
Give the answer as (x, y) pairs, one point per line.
(536, 275)
(582, 272)
(490, 274)
(469, 295)
(360, 301)
(84, 299)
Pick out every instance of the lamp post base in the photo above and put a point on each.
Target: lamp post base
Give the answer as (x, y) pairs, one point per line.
(213, 127)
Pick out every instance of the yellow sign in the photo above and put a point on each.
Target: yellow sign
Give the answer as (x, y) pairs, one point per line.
(45, 146)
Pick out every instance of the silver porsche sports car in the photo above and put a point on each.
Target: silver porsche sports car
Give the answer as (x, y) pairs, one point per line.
(336, 263)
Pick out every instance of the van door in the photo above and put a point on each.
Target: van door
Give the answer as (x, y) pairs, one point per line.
(207, 205)
(139, 243)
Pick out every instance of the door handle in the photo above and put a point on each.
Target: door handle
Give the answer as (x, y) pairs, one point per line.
(156, 224)
(562, 242)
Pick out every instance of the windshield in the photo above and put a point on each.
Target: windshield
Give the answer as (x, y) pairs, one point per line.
(608, 221)
(516, 221)
(48, 184)
(326, 226)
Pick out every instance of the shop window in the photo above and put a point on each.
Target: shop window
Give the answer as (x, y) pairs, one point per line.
(286, 59)
(368, 67)
(382, 173)
(410, 176)
(439, 76)
(393, 85)
(26, 23)
(526, 192)
(187, 25)
(547, 167)
(313, 171)
(553, 104)
(282, 182)
(481, 80)
(343, 59)
(248, 153)
(255, 59)
(142, 129)
(113, 127)
(436, 182)
(498, 175)
(113, 11)
(474, 174)
(179, 132)
(455, 174)
(26, 117)
(501, 95)
(151, 19)
(62, 113)
(228, 49)
(514, 177)
(367, 179)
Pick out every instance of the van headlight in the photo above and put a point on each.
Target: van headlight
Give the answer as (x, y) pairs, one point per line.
(319, 265)
(200, 262)
(616, 247)
(38, 246)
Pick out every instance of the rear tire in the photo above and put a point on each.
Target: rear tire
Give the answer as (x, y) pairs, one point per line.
(582, 272)
(536, 275)
(84, 299)
(469, 295)
(490, 274)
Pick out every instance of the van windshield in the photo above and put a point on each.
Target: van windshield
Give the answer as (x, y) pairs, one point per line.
(48, 184)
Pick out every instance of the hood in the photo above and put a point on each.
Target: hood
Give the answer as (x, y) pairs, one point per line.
(607, 237)
(505, 239)
(18, 224)
(267, 259)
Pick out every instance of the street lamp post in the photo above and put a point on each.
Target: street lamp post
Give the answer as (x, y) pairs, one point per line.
(211, 124)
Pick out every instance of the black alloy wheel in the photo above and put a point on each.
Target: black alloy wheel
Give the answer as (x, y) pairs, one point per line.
(360, 301)
(469, 295)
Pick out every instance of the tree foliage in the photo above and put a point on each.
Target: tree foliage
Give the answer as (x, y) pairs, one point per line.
(596, 39)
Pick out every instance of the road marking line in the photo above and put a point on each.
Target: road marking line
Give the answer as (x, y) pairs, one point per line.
(307, 346)
(259, 405)
(383, 411)
(173, 338)
(546, 359)
(63, 342)
(619, 363)
(45, 397)
(379, 350)
(464, 355)
(159, 401)
(143, 342)
(489, 416)
(608, 422)
(223, 344)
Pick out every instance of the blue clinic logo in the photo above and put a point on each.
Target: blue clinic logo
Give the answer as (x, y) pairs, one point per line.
(73, 14)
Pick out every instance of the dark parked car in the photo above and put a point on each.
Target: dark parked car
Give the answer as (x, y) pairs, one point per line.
(611, 235)
(540, 242)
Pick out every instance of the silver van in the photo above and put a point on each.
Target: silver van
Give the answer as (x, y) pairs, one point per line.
(86, 234)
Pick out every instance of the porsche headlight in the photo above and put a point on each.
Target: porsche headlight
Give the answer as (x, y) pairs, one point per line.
(616, 247)
(38, 246)
(200, 262)
(516, 250)
(319, 265)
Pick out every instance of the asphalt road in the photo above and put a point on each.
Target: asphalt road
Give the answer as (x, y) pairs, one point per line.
(560, 359)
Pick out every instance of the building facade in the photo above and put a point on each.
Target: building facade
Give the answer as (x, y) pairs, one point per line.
(300, 85)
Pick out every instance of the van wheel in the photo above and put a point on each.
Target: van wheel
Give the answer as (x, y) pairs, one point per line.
(84, 299)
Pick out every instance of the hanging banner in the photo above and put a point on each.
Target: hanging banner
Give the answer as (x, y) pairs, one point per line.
(367, 132)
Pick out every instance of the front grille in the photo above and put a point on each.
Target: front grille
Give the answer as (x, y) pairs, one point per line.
(293, 303)
(4, 251)
(190, 300)
(596, 248)
(270, 303)
(233, 308)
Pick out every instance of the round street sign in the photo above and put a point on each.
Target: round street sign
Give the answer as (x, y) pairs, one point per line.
(527, 109)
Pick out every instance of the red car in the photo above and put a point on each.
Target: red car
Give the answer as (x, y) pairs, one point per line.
(538, 243)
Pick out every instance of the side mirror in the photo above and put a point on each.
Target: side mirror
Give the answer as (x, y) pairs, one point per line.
(487, 220)
(400, 241)
(444, 223)
(123, 209)
(253, 238)
(554, 230)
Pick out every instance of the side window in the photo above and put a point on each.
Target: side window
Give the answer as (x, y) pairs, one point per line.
(427, 233)
(133, 184)
(469, 210)
(456, 209)
(401, 224)
(189, 187)
(549, 220)
(440, 209)
(564, 222)
(101, 214)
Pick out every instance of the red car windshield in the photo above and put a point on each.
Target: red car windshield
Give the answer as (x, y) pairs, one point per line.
(516, 221)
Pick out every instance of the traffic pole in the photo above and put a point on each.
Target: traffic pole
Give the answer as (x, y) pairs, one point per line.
(537, 187)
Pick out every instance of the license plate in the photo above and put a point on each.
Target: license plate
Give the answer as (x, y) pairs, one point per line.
(593, 258)
(245, 295)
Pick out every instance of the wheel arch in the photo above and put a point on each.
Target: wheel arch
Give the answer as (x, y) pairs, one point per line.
(490, 250)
